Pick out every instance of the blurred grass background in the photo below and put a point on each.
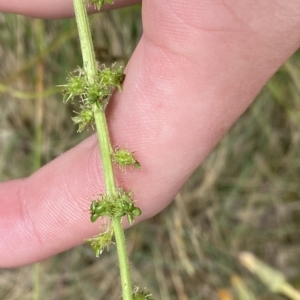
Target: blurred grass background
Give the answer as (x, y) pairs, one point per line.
(244, 197)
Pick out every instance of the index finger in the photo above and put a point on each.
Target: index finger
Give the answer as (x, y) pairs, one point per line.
(55, 9)
(194, 72)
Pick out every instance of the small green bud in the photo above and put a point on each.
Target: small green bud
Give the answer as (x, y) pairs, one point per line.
(101, 241)
(94, 217)
(75, 85)
(130, 206)
(96, 93)
(84, 118)
(124, 158)
(125, 206)
(123, 195)
(93, 206)
(136, 211)
(112, 78)
(97, 249)
(102, 210)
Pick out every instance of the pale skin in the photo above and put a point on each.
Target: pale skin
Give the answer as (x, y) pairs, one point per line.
(198, 66)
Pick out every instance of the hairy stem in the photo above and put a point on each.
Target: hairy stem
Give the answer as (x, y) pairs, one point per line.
(37, 153)
(85, 37)
(105, 149)
(90, 68)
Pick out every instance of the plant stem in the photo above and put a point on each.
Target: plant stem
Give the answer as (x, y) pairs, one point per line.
(36, 281)
(39, 101)
(105, 149)
(90, 68)
(37, 153)
(123, 259)
(85, 37)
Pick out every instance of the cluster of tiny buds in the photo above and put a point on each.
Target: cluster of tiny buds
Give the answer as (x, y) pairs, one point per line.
(116, 206)
(124, 158)
(96, 92)
(101, 241)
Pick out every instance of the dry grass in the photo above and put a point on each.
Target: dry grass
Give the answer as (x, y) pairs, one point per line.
(245, 196)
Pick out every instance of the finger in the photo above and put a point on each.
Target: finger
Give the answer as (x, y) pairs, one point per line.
(55, 9)
(196, 69)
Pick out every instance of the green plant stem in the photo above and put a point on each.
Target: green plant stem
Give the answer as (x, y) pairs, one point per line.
(90, 68)
(36, 281)
(123, 259)
(105, 149)
(37, 154)
(85, 37)
(290, 292)
(39, 101)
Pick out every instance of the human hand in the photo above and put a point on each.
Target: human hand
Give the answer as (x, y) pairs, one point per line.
(196, 69)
